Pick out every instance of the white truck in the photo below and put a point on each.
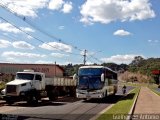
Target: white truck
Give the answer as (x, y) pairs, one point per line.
(32, 86)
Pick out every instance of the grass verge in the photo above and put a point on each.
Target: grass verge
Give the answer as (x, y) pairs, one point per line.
(120, 108)
(155, 91)
(2, 85)
(153, 88)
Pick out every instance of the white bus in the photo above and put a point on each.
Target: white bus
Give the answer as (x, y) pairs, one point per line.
(96, 82)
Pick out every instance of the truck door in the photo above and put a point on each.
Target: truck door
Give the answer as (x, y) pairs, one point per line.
(38, 82)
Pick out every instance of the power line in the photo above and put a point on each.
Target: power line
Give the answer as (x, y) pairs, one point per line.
(13, 38)
(36, 27)
(91, 56)
(36, 37)
(44, 32)
(85, 51)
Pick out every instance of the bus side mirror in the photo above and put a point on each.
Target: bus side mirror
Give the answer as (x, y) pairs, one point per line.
(75, 77)
(102, 77)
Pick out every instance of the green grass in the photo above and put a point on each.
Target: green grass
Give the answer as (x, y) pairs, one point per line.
(2, 85)
(120, 108)
(153, 87)
(158, 93)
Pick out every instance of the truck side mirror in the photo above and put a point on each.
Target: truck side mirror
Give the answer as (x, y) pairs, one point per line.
(75, 77)
(102, 77)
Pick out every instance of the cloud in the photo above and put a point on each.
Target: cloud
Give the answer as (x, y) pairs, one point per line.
(30, 7)
(59, 55)
(27, 29)
(17, 44)
(43, 62)
(87, 53)
(12, 54)
(153, 41)
(59, 63)
(56, 46)
(121, 33)
(29, 37)
(25, 7)
(67, 7)
(60, 5)
(7, 27)
(22, 45)
(120, 58)
(9, 59)
(61, 27)
(55, 4)
(4, 43)
(6, 34)
(106, 11)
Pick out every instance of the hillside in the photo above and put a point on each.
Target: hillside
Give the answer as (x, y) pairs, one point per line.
(144, 66)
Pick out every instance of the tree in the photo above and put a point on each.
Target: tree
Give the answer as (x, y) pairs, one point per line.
(113, 66)
(137, 61)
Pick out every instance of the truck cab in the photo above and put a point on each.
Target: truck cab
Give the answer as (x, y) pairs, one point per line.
(23, 85)
(37, 79)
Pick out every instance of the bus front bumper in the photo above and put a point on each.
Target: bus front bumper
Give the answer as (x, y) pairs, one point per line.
(89, 95)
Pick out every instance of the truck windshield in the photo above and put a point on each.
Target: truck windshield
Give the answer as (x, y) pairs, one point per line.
(25, 76)
(89, 83)
(90, 71)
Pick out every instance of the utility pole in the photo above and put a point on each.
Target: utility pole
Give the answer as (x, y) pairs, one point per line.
(84, 60)
(55, 68)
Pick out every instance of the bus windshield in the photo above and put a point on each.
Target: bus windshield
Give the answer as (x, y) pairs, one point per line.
(89, 82)
(25, 76)
(90, 71)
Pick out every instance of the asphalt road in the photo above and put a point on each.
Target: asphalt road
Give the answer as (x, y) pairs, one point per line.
(62, 109)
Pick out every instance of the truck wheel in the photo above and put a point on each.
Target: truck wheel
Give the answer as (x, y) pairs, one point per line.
(50, 96)
(85, 99)
(32, 100)
(53, 95)
(10, 102)
(72, 92)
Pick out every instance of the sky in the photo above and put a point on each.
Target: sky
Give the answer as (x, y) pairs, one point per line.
(49, 31)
